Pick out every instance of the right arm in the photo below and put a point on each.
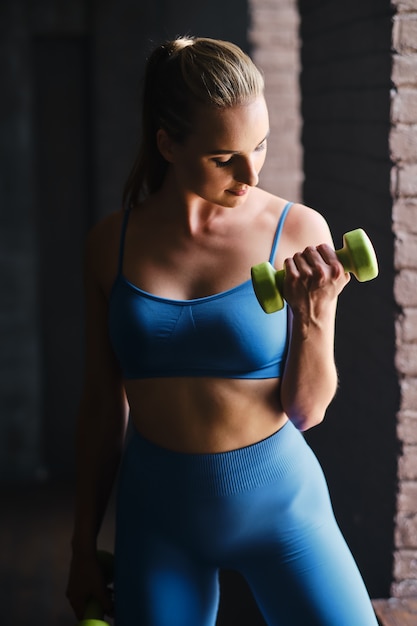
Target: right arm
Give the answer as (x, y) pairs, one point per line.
(100, 431)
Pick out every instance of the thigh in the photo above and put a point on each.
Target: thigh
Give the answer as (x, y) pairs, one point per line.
(159, 581)
(157, 584)
(300, 567)
(315, 582)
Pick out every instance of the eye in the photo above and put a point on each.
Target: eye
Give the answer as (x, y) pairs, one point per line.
(223, 163)
(261, 147)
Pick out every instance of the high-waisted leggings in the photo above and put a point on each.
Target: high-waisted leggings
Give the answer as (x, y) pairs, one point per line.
(263, 510)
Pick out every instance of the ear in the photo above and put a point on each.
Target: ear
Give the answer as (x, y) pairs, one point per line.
(165, 145)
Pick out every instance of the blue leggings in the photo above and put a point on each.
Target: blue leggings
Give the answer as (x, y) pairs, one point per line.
(263, 511)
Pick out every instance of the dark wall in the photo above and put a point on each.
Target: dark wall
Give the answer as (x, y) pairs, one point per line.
(62, 169)
(20, 378)
(345, 84)
(123, 34)
(72, 74)
(86, 66)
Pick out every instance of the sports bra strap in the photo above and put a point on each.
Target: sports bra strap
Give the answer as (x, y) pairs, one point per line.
(122, 241)
(275, 242)
(279, 231)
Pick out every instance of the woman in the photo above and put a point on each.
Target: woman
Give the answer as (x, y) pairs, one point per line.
(216, 473)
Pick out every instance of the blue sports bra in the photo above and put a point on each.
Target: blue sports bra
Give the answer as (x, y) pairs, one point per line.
(225, 335)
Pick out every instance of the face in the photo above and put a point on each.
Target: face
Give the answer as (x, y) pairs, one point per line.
(221, 159)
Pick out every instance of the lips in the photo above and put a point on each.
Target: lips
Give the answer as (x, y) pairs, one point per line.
(242, 191)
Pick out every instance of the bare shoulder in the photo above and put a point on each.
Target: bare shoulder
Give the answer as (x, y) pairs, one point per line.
(102, 249)
(304, 227)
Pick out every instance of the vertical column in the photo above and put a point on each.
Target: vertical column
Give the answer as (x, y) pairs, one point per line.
(403, 145)
(275, 39)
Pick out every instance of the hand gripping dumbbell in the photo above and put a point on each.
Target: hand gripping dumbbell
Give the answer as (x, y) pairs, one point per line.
(357, 256)
(94, 614)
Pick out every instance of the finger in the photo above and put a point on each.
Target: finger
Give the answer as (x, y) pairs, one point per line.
(311, 266)
(79, 608)
(76, 601)
(330, 257)
(104, 598)
(291, 268)
(324, 261)
(328, 254)
(108, 604)
(320, 254)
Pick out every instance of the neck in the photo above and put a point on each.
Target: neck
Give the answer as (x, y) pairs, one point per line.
(187, 210)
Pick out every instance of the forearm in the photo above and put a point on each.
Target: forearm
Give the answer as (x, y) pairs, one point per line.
(99, 444)
(310, 377)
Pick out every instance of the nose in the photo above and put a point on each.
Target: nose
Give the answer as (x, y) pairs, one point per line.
(246, 173)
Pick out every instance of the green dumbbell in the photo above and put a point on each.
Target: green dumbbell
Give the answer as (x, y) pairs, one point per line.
(94, 614)
(357, 256)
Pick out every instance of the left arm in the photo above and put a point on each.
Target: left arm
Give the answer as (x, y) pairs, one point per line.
(313, 281)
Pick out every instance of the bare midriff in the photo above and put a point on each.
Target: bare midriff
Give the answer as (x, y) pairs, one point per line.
(205, 415)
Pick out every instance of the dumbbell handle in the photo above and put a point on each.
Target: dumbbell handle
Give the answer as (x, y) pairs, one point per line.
(357, 256)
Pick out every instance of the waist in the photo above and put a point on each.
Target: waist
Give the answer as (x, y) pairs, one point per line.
(205, 415)
(221, 473)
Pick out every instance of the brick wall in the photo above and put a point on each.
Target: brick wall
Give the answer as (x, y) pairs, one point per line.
(275, 40)
(403, 145)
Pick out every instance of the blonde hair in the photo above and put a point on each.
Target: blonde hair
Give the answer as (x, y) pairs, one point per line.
(180, 75)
